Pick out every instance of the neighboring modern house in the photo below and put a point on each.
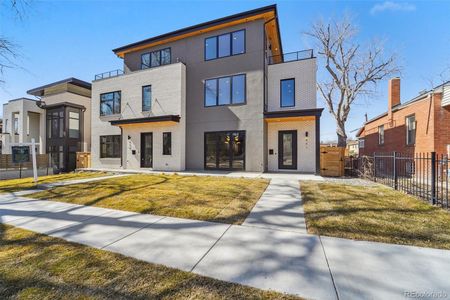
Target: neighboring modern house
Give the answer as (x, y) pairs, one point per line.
(59, 121)
(220, 95)
(421, 124)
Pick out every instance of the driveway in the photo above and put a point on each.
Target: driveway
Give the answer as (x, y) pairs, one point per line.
(270, 250)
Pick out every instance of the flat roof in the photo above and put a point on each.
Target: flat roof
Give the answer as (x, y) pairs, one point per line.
(200, 28)
(39, 91)
(294, 113)
(20, 99)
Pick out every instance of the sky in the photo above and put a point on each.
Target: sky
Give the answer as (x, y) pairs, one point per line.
(61, 39)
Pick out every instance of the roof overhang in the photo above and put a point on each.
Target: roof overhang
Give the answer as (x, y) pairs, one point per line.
(266, 13)
(39, 91)
(41, 104)
(293, 115)
(167, 118)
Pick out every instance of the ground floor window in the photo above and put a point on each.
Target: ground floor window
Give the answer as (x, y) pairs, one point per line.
(56, 157)
(110, 146)
(225, 150)
(167, 143)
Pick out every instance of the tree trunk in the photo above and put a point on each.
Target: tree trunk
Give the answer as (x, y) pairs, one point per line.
(341, 135)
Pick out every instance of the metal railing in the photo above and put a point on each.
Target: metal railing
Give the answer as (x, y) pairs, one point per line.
(424, 175)
(291, 56)
(113, 73)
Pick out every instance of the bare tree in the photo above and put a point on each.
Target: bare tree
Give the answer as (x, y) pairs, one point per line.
(353, 71)
(8, 49)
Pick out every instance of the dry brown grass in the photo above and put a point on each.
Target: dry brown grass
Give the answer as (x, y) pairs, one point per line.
(210, 198)
(374, 213)
(34, 266)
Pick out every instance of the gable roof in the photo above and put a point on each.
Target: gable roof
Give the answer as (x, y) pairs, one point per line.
(268, 13)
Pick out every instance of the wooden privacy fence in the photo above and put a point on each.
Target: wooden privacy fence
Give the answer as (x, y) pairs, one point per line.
(83, 160)
(332, 161)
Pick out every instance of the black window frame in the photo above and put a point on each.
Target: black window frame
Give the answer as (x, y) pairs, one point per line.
(216, 79)
(143, 106)
(159, 51)
(408, 143)
(216, 37)
(381, 135)
(104, 155)
(113, 108)
(167, 138)
(281, 92)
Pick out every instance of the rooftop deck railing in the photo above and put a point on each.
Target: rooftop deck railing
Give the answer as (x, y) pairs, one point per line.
(109, 74)
(291, 56)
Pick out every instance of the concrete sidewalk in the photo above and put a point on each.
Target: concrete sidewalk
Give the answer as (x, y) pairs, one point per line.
(271, 250)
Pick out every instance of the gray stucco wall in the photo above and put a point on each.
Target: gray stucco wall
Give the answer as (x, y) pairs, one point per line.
(200, 119)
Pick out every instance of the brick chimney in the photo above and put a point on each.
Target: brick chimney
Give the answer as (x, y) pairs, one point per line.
(393, 95)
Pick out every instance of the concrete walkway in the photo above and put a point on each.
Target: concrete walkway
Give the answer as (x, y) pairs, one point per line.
(280, 207)
(266, 252)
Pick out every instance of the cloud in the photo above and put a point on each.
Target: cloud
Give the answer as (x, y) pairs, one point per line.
(392, 6)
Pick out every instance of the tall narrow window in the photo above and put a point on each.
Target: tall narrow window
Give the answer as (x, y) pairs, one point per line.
(224, 45)
(224, 90)
(74, 124)
(166, 56)
(145, 61)
(238, 84)
(146, 98)
(211, 48)
(110, 103)
(238, 42)
(16, 125)
(287, 91)
(155, 58)
(167, 143)
(381, 135)
(411, 130)
(211, 92)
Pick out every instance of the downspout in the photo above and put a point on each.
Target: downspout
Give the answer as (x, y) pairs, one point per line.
(121, 149)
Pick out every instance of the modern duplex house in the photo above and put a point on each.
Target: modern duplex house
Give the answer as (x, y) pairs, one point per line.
(220, 95)
(59, 121)
(419, 125)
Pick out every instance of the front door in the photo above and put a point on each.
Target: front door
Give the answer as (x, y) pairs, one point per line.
(287, 149)
(146, 150)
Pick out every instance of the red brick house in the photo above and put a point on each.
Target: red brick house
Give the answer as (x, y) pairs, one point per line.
(419, 125)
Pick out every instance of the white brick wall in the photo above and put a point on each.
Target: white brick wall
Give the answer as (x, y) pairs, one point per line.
(304, 72)
(168, 98)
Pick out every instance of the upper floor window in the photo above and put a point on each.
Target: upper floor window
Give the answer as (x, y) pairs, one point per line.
(110, 103)
(55, 123)
(361, 143)
(74, 124)
(381, 135)
(411, 130)
(224, 45)
(146, 98)
(156, 58)
(225, 90)
(287, 92)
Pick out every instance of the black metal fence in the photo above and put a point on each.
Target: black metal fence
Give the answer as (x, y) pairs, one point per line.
(425, 175)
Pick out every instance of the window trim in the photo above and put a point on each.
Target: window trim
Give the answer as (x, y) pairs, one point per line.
(407, 129)
(120, 104)
(151, 94)
(380, 140)
(231, 90)
(281, 93)
(160, 56)
(231, 44)
(169, 135)
(120, 146)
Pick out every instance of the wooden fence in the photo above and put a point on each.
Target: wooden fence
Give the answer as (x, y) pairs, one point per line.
(332, 161)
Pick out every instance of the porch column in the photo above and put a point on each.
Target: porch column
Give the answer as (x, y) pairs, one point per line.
(317, 145)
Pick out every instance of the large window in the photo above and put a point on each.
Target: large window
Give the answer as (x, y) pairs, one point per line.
(110, 103)
(156, 58)
(55, 124)
(224, 45)
(381, 135)
(287, 92)
(225, 150)
(411, 130)
(146, 98)
(110, 146)
(167, 143)
(74, 124)
(225, 90)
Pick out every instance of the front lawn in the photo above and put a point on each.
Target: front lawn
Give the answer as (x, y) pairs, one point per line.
(14, 185)
(34, 266)
(374, 213)
(210, 198)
